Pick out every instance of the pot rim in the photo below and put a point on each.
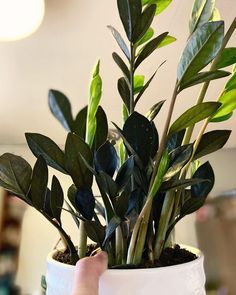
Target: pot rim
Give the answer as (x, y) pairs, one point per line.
(52, 261)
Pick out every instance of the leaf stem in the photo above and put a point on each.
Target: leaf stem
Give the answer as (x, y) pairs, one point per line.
(82, 247)
(132, 59)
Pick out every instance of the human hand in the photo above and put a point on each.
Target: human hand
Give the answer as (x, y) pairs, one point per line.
(87, 273)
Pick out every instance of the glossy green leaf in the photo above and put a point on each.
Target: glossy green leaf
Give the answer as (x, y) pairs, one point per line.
(41, 145)
(228, 101)
(120, 41)
(200, 50)
(130, 13)
(61, 108)
(168, 40)
(201, 13)
(143, 22)
(175, 140)
(148, 49)
(85, 202)
(203, 77)
(109, 186)
(138, 83)
(178, 158)
(124, 173)
(74, 149)
(15, 174)
(227, 58)
(111, 227)
(122, 204)
(155, 109)
(193, 115)
(56, 199)
(211, 142)
(124, 91)
(138, 131)
(121, 64)
(174, 184)
(95, 231)
(231, 84)
(79, 125)
(39, 183)
(223, 118)
(149, 34)
(106, 159)
(162, 5)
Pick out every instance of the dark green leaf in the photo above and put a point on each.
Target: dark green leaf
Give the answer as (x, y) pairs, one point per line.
(122, 204)
(109, 186)
(124, 173)
(201, 190)
(211, 142)
(203, 77)
(111, 227)
(155, 109)
(56, 199)
(227, 58)
(15, 174)
(85, 202)
(201, 13)
(74, 149)
(71, 194)
(121, 64)
(39, 183)
(149, 34)
(120, 41)
(124, 91)
(61, 108)
(178, 158)
(200, 50)
(79, 125)
(149, 48)
(102, 128)
(41, 145)
(193, 115)
(182, 183)
(228, 101)
(190, 206)
(143, 22)
(106, 159)
(130, 13)
(175, 140)
(138, 131)
(95, 231)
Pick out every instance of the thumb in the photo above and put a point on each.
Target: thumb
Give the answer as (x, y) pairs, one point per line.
(87, 273)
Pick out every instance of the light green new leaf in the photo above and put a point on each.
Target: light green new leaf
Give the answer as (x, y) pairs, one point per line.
(168, 40)
(94, 100)
(149, 34)
(203, 77)
(215, 15)
(228, 58)
(194, 115)
(202, 12)
(138, 83)
(200, 50)
(162, 5)
(228, 101)
(231, 84)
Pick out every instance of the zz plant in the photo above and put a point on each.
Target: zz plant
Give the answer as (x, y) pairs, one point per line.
(146, 184)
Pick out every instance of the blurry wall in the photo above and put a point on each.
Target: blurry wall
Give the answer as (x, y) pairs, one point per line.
(39, 236)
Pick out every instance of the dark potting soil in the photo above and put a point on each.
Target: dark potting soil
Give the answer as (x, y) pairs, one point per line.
(169, 256)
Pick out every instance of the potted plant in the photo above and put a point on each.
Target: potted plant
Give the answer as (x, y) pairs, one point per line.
(146, 185)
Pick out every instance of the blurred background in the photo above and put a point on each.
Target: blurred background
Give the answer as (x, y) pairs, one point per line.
(60, 55)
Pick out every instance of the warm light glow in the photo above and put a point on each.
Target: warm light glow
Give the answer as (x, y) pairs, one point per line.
(20, 18)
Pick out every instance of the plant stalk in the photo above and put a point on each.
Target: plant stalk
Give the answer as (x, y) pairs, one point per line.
(119, 246)
(163, 223)
(82, 248)
(132, 59)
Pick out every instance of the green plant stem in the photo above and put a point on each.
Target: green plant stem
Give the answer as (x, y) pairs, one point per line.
(119, 246)
(202, 94)
(163, 223)
(82, 247)
(164, 135)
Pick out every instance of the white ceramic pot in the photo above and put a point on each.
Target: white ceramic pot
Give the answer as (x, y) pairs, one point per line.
(183, 279)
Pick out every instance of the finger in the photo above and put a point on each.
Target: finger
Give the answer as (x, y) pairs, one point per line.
(87, 273)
